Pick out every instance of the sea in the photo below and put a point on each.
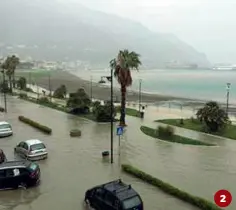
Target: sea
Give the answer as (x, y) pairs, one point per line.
(192, 84)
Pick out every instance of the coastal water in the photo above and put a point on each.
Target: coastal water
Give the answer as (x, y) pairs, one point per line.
(194, 84)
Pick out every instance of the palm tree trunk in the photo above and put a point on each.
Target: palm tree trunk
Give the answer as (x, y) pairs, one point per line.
(14, 81)
(10, 81)
(123, 102)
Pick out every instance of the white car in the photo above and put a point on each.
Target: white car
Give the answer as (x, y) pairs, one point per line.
(32, 149)
(5, 129)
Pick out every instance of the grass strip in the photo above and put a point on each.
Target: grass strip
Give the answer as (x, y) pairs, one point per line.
(174, 138)
(169, 189)
(196, 125)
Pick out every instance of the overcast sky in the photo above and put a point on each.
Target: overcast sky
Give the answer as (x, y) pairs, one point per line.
(208, 25)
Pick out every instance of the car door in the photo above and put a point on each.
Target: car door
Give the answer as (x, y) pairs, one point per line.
(13, 178)
(25, 150)
(2, 179)
(98, 199)
(19, 148)
(109, 201)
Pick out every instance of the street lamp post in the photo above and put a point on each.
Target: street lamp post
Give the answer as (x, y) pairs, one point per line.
(227, 103)
(140, 92)
(49, 87)
(4, 90)
(112, 111)
(110, 79)
(91, 88)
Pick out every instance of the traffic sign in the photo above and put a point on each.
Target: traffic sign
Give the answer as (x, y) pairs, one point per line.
(223, 198)
(119, 131)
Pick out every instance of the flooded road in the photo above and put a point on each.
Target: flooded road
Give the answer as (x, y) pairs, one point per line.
(75, 164)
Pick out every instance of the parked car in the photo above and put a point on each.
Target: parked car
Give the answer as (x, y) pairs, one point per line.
(5, 129)
(2, 157)
(14, 174)
(32, 149)
(115, 195)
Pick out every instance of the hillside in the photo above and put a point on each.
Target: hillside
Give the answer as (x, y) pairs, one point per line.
(56, 31)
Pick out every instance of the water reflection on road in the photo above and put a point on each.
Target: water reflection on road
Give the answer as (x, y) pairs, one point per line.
(75, 164)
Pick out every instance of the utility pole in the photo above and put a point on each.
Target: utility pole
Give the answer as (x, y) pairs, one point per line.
(112, 115)
(227, 102)
(49, 87)
(91, 88)
(4, 90)
(140, 91)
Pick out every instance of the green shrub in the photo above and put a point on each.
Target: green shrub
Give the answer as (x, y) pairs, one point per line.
(27, 89)
(34, 124)
(169, 189)
(23, 95)
(165, 131)
(75, 132)
(43, 100)
(2, 109)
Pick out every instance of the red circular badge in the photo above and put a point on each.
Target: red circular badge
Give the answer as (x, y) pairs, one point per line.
(223, 198)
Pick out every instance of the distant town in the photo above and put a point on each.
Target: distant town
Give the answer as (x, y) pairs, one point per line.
(29, 63)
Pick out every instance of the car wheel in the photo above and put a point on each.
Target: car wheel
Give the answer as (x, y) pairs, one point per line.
(23, 185)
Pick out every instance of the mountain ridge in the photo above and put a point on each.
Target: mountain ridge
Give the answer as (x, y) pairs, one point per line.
(84, 34)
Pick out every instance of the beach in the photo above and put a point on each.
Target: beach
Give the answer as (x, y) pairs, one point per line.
(101, 92)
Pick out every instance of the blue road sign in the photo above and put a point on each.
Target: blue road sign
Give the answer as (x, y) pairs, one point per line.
(119, 131)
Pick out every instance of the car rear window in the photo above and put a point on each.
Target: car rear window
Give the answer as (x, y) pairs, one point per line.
(4, 126)
(131, 202)
(33, 167)
(37, 147)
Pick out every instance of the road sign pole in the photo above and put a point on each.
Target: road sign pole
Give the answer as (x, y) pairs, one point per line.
(119, 157)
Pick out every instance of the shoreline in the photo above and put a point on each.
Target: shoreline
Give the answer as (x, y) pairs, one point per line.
(102, 92)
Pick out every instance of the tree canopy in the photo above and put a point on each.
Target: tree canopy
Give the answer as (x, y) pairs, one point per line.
(102, 113)
(60, 92)
(79, 100)
(213, 116)
(21, 83)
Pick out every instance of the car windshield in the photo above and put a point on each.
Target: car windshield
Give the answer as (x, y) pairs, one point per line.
(131, 202)
(4, 126)
(37, 146)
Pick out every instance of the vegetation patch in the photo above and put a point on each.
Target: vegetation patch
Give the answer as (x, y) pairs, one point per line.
(210, 119)
(37, 125)
(2, 109)
(169, 189)
(75, 133)
(194, 124)
(167, 134)
(130, 112)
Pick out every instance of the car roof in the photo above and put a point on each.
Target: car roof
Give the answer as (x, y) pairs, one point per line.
(15, 163)
(4, 123)
(121, 190)
(33, 141)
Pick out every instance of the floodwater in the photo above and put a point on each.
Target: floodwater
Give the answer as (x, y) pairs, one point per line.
(75, 164)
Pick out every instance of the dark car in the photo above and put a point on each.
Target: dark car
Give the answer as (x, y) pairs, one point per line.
(14, 174)
(115, 195)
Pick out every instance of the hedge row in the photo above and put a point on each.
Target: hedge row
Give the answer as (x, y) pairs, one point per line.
(169, 189)
(34, 124)
(172, 138)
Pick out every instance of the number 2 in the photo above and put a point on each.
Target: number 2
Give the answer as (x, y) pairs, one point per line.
(223, 197)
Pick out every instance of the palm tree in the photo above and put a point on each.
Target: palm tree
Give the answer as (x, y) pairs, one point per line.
(126, 61)
(14, 63)
(10, 65)
(213, 116)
